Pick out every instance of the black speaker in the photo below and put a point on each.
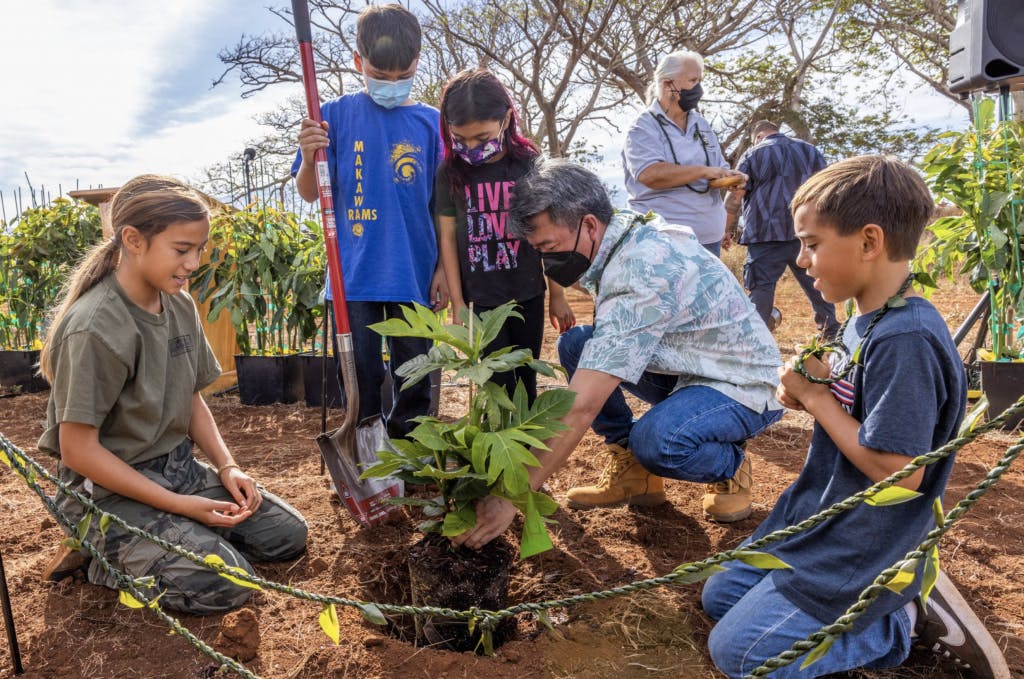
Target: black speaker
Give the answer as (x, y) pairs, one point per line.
(986, 48)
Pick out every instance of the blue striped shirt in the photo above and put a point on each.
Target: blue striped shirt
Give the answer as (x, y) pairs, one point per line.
(776, 167)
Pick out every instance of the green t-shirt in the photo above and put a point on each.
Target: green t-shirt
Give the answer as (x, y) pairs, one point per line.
(127, 372)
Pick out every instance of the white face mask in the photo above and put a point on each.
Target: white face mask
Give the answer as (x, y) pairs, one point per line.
(388, 93)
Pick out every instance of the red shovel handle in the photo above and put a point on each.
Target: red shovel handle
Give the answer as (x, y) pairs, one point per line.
(300, 12)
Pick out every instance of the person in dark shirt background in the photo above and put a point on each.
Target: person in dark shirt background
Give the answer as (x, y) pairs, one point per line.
(776, 166)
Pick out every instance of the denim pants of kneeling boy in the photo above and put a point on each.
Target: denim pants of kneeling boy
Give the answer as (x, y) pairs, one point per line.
(756, 622)
(693, 434)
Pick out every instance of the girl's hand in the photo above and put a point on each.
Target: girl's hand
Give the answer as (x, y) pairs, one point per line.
(242, 488)
(562, 317)
(215, 513)
(312, 138)
(439, 294)
(457, 306)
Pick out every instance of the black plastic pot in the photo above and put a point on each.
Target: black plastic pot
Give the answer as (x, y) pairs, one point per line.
(1003, 384)
(18, 372)
(263, 380)
(312, 380)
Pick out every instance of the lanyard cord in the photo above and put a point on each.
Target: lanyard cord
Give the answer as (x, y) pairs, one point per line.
(639, 219)
(696, 133)
(837, 346)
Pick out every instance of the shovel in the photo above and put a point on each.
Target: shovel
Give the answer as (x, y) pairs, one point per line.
(353, 445)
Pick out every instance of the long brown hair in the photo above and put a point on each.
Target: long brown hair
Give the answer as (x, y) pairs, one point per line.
(150, 203)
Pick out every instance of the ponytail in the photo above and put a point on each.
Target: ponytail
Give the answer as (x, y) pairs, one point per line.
(149, 203)
(97, 263)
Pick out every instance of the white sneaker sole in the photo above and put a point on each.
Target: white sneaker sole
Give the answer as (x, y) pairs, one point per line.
(962, 611)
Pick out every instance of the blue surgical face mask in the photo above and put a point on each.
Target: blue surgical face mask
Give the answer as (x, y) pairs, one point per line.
(388, 93)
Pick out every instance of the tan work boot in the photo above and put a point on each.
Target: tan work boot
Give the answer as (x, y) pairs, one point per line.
(623, 481)
(729, 500)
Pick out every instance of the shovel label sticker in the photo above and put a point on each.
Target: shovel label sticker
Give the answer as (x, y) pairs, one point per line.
(323, 174)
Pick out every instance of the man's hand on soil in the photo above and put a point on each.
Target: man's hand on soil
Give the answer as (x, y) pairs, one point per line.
(493, 517)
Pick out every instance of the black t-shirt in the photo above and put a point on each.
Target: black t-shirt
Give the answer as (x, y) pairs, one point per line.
(495, 267)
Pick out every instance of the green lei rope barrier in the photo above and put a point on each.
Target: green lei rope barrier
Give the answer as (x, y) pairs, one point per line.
(29, 470)
(819, 349)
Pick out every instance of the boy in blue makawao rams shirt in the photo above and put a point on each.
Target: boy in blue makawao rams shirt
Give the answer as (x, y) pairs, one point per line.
(383, 150)
(859, 222)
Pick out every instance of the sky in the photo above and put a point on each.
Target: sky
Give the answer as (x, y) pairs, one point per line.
(94, 92)
(98, 91)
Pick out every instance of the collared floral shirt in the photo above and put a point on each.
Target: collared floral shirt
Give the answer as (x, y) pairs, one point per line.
(664, 304)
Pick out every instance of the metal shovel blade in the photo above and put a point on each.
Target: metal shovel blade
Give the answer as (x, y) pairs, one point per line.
(347, 451)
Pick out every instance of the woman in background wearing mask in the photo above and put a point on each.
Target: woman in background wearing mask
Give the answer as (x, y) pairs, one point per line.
(484, 155)
(671, 154)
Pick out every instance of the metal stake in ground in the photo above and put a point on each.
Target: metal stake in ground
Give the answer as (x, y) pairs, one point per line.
(353, 445)
(12, 637)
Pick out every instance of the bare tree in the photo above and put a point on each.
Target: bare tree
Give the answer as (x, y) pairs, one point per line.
(574, 66)
(262, 61)
(910, 34)
(524, 42)
(640, 33)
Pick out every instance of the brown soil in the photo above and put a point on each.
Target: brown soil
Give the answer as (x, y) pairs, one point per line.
(73, 630)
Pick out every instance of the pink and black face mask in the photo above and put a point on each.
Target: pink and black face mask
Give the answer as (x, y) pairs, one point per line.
(478, 155)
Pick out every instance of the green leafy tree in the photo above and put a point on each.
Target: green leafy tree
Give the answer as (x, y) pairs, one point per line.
(487, 450)
(266, 270)
(38, 254)
(981, 171)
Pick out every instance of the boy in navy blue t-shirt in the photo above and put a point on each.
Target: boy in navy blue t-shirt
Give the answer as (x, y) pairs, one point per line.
(859, 222)
(383, 150)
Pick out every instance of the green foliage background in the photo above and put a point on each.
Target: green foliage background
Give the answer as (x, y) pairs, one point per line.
(37, 255)
(980, 171)
(266, 269)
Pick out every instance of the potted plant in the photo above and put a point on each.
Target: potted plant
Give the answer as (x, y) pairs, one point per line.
(484, 452)
(37, 254)
(266, 270)
(980, 171)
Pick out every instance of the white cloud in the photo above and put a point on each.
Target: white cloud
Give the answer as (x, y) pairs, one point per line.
(86, 88)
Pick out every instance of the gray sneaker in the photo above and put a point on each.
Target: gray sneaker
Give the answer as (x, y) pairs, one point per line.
(951, 629)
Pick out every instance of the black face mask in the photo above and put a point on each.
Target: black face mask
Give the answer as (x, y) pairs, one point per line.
(565, 268)
(688, 99)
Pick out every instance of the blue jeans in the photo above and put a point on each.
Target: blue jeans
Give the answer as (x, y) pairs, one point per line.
(693, 434)
(756, 622)
(370, 367)
(766, 262)
(714, 248)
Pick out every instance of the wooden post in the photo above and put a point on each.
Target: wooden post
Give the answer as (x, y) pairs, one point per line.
(220, 334)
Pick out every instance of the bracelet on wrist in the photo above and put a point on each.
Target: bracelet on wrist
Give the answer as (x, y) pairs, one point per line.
(229, 465)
